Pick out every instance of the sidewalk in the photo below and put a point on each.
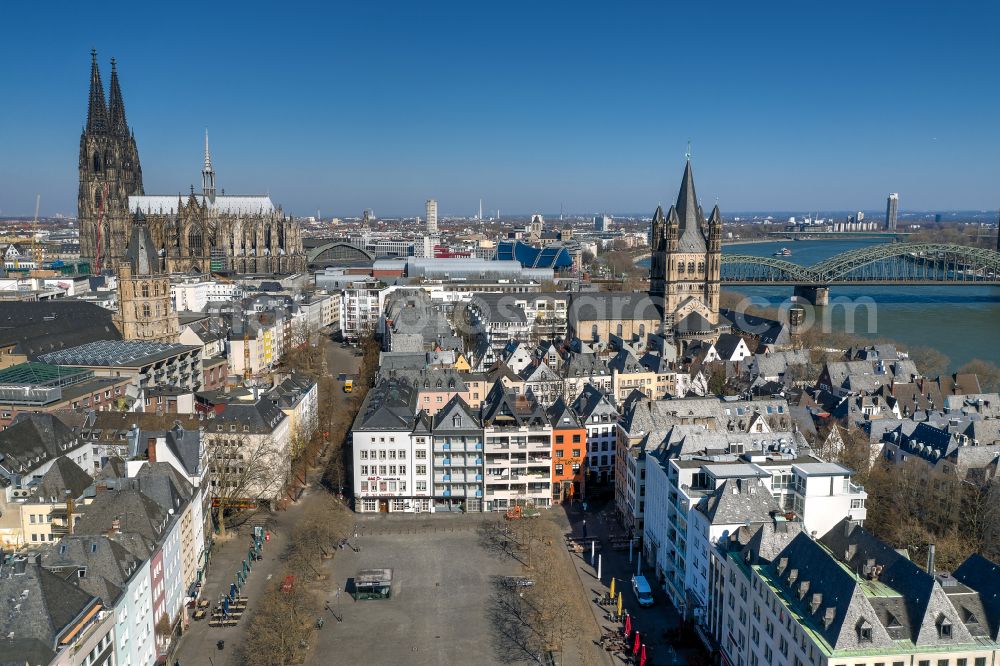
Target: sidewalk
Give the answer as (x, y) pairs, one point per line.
(198, 644)
(651, 622)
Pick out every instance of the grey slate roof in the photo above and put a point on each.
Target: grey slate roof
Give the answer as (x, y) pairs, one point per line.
(141, 252)
(46, 605)
(63, 475)
(736, 501)
(37, 328)
(109, 565)
(982, 575)
(444, 420)
(592, 400)
(688, 215)
(129, 510)
(32, 440)
(919, 600)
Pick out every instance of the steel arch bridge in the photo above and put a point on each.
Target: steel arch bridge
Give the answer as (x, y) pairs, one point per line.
(897, 263)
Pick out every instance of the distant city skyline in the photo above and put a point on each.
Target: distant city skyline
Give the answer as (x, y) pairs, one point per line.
(530, 108)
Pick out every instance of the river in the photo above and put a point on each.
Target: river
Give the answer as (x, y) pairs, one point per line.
(962, 322)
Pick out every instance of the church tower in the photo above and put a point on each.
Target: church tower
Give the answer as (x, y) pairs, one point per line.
(685, 264)
(145, 308)
(109, 173)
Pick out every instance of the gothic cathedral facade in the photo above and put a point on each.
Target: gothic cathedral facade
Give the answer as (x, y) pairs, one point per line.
(202, 233)
(685, 266)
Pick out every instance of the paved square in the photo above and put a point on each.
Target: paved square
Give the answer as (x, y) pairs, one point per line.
(440, 598)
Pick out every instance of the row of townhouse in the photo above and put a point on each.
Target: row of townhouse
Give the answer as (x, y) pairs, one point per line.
(644, 424)
(508, 451)
(702, 485)
(127, 552)
(782, 595)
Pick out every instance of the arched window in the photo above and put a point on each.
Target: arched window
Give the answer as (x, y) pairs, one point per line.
(97, 161)
(690, 267)
(109, 159)
(680, 266)
(195, 241)
(642, 330)
(145, 312)
(145, 290)
(620, 329)
(701, 266)
(593, 332)
(97, 199)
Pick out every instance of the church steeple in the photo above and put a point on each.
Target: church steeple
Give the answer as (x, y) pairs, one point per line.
(116, 106)
(208, 174)
(689, 218)
(97, 111)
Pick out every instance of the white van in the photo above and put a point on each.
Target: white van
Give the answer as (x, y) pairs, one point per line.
(643, 592)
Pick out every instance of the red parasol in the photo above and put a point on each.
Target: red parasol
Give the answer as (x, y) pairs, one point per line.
(635, 648)
(628, 624)
(642, 656)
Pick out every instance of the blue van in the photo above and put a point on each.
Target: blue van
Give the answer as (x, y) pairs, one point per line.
(642, 591)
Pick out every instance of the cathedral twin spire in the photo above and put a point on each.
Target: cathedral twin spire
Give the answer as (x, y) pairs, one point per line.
(104, 117)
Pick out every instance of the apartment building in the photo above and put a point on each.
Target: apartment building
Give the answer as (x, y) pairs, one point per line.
(598, 414)
(361, 304)
(386, 466)
(702, 485)
(569, 453)
(458, 458)
(849, 599)
(518, 451)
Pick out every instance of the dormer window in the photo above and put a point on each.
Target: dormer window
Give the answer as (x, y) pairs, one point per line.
(864, 631)
(456, 421)
(944, 627)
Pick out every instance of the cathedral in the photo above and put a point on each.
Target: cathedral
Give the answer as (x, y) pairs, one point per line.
(198, 232)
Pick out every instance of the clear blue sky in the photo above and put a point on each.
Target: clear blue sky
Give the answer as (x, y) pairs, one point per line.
(351, 105)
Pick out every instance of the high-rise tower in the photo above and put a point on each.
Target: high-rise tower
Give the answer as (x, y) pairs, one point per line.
(891, 210)
(432, 217)
(686, 263)
(109, 173)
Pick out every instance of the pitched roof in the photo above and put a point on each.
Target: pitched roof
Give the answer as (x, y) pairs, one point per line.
(63, 475)
(687, 214)
(127, 510)
(561, 416)
(32, 440)
(140, 252)
(45, 604)
(739, 500)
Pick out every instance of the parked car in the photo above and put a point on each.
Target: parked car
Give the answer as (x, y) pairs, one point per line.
(643, 593)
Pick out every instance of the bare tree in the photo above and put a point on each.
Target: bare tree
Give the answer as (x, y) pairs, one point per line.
(245, 470)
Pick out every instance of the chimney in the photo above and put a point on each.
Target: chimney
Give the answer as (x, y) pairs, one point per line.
(151, 449)
(930, 559)
(116, 526)
(828, 616)
(817, 600)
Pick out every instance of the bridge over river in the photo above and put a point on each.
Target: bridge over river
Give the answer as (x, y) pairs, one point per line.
(910, 264)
